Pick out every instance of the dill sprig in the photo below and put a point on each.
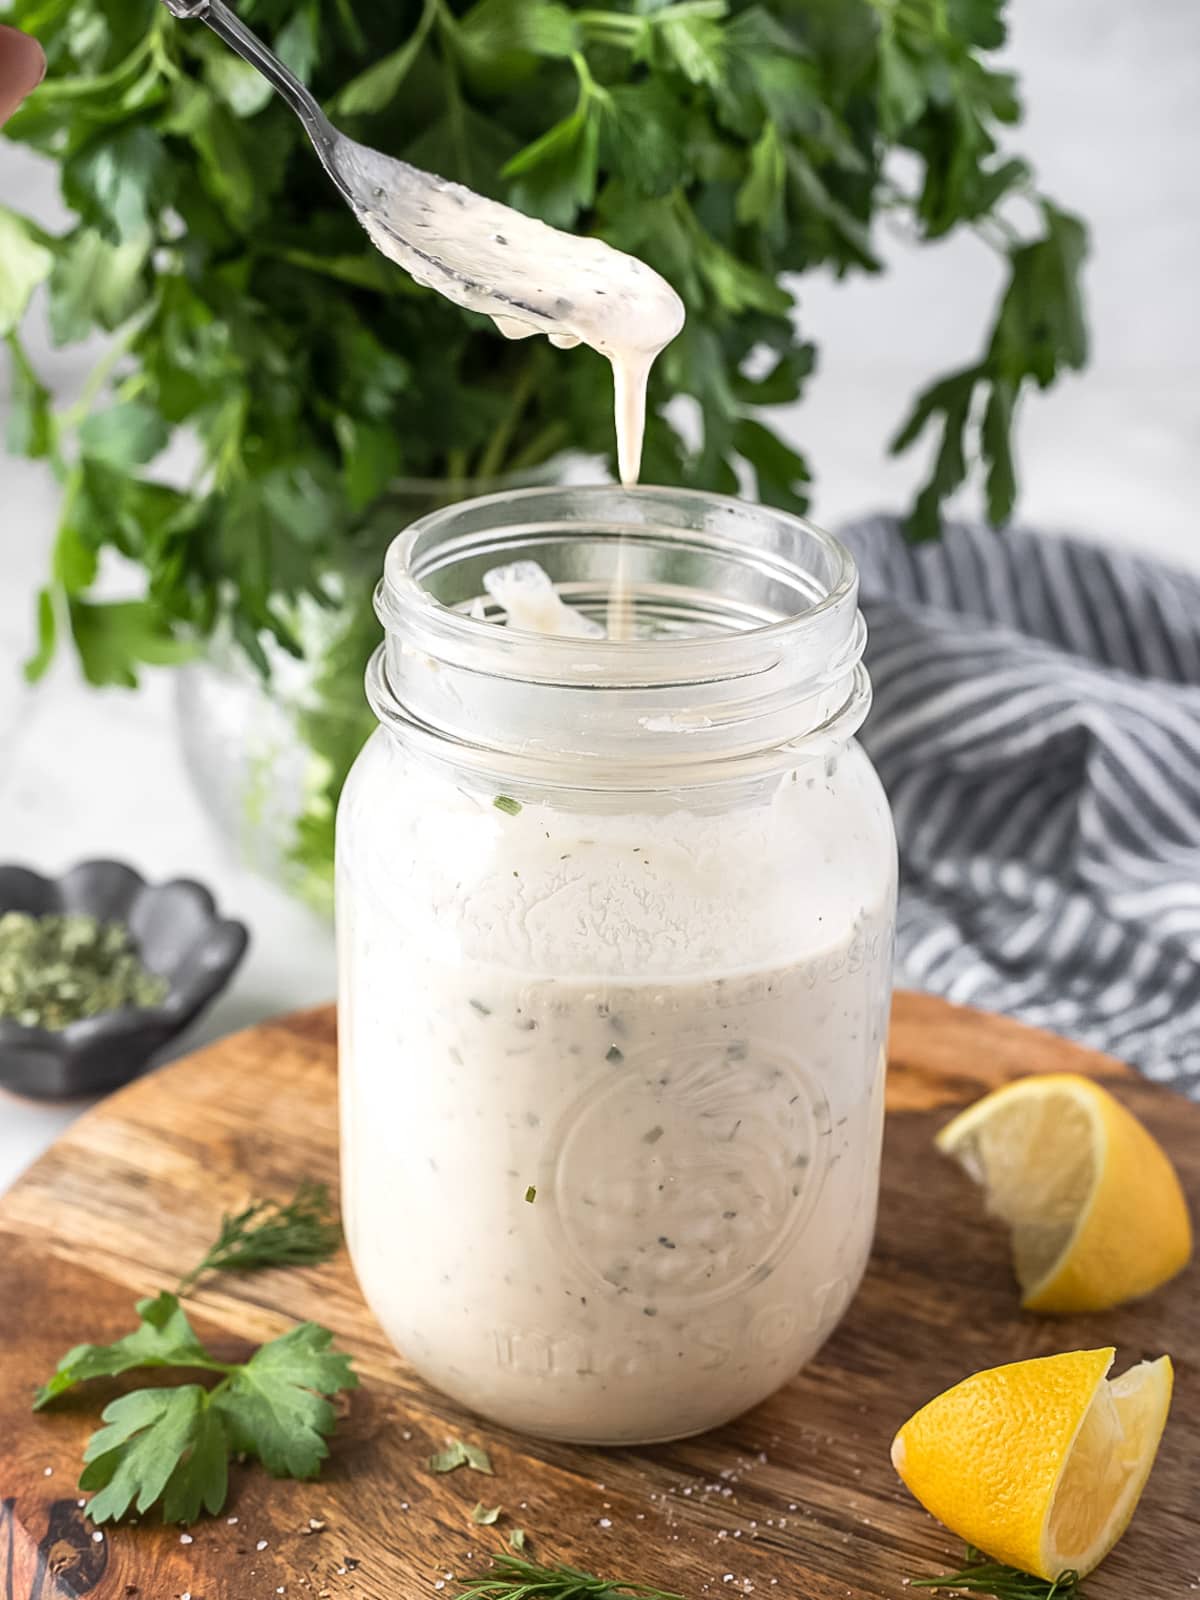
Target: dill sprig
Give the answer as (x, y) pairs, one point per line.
(983, 1576)
(269, 1233)
(513, 1578)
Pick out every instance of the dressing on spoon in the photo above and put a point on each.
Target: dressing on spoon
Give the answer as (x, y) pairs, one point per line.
(528, 277)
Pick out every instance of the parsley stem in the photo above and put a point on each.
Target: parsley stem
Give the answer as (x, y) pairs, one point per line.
(589, 89)
(350, 23)
(85, 86)
(541, 447)
(612, 27)
(456, 113)
(74, 414)
(497, 446)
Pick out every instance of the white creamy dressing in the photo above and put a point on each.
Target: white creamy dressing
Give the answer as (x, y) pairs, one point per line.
(668, 1025)
(528, 277)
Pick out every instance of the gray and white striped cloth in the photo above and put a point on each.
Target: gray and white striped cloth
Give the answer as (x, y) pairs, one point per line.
(1037, 726)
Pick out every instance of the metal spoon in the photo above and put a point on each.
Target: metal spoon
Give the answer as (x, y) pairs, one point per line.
(446, 237)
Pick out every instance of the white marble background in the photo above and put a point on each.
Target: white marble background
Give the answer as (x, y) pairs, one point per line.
(1114, 123)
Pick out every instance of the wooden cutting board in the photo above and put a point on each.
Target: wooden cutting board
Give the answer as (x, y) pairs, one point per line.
(797, 1498)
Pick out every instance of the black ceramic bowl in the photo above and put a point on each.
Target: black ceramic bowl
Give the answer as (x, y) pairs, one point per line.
(179, 936)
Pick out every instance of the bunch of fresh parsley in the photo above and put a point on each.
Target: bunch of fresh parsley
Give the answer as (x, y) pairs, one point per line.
(732, 144)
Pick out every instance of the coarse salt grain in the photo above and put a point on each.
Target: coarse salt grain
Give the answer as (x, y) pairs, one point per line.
(605, 1522)
(47, 1472)
(185, 1538)
(97, 1537)
(261, 1545)
(231, 1521)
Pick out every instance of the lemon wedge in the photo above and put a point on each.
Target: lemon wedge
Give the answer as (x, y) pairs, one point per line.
(1040, 1464)
(1095, 1207)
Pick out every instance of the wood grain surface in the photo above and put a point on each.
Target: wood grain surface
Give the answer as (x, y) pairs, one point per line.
(796, 1499)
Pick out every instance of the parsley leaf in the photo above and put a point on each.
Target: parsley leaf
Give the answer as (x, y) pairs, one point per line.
(95, 284)
(163, 1338)
(556, 174)
(1039, 333)
(118, 183)
(274, 1405)
(125, 435)
(373, 88)
(643, 130)
(779, 471)
(460, 1454)
(691, 39)
(31, 427)
(24, 263)
(158, 1444)
(495, 35)
(114, 638)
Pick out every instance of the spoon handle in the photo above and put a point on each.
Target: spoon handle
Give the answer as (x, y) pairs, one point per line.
(233, 31)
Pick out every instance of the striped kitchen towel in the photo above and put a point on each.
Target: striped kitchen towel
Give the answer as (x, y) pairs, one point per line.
(1037, 726)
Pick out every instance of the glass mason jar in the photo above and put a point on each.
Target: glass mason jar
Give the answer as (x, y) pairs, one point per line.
(615, 929)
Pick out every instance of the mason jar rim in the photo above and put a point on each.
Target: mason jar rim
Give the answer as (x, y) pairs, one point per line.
(401, 598)
(759, 650)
